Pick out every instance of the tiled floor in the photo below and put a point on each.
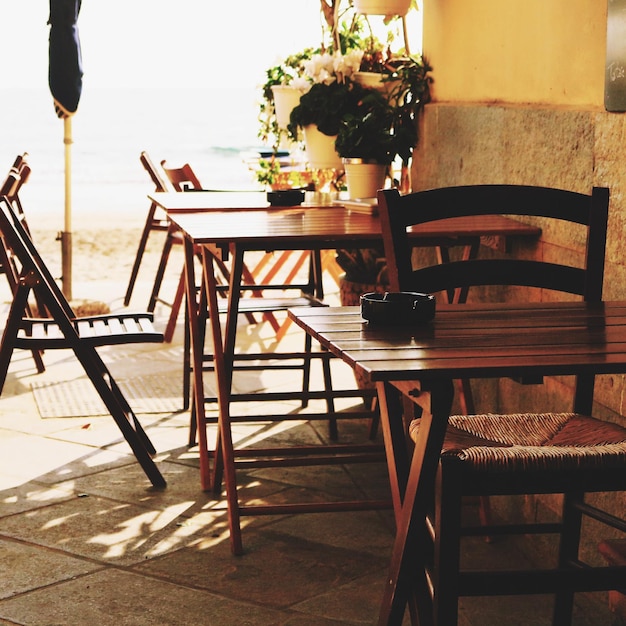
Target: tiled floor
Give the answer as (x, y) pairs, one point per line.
(84, 539)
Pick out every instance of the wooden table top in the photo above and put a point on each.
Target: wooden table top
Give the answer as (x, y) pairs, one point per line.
(210, 217)
(477, 341)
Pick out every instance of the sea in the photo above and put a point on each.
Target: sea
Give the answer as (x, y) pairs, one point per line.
(213, 130)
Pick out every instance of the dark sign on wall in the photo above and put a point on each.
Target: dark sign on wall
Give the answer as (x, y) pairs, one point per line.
(615, 72)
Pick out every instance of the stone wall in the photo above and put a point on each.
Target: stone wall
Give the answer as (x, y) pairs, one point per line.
(555, 147)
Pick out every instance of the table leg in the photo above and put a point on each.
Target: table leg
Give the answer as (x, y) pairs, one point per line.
(407, 574)
(394, 435)
(223, 351)
(197, 349)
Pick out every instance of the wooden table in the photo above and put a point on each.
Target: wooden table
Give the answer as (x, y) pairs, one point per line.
(464, 341)
(324, 224)
(224, 223)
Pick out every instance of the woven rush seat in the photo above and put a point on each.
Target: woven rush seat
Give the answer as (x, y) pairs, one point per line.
(532, 442)
(98, 330)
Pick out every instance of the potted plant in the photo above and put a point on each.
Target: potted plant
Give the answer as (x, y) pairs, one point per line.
(366, 143)
(364, 270)
(284, 84)
(410, 81)
(321, 109)
(286, 81)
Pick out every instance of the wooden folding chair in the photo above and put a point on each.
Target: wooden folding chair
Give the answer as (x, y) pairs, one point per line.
(17, 176)
(156, 221)
(62, 330)
(183, 178)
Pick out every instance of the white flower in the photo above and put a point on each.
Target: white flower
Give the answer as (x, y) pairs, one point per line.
(327, 68)
(301, 83)
(349, 63)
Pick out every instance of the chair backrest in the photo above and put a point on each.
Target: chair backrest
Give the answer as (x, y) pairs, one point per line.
(397, 213)
(11, 183)
(182, 178)
(160, 183)
(17, 176)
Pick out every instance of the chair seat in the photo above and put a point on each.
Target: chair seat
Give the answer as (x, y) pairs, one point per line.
(532, 442)
(97, 330)
(264, 304)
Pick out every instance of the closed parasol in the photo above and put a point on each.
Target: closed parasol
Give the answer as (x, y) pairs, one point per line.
(65, 77)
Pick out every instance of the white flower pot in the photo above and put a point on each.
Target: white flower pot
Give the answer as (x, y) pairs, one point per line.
(382, 7)
(320, 149)
(374, 80)
(286, 98)
(364, 179)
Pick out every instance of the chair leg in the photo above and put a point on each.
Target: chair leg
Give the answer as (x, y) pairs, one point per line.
(125, 419)
(568, 554)
(119, 396)
(447, 547)
(187, 373)
(330, 403)
(20, 301)
(158, 279)
(143, 241)
(170, 328)
(202, 322)
(7, 266)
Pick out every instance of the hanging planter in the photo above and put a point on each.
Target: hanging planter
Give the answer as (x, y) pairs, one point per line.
(320, 149)
(364, 179)
(286, 98)
(382, 7)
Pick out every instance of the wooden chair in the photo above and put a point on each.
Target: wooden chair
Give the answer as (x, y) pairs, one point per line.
(567, 453)
(183, 178)
(257, 301)
(264, 272)
(16, 177)
(63, 330)
(156, 221)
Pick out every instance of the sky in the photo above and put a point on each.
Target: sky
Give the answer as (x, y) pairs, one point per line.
(146, 43)
(162, 44)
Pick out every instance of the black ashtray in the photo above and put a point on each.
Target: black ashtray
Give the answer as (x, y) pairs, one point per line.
(397, 308)
(285, 197)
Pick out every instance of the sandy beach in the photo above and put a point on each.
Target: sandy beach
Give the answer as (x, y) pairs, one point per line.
(102, 259)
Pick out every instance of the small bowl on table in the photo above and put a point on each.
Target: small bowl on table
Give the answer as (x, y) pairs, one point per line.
(397, 308)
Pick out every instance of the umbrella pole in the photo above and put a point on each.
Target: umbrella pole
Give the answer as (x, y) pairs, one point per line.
(66, 235)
